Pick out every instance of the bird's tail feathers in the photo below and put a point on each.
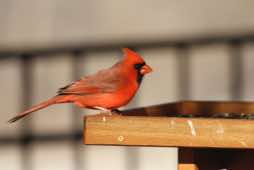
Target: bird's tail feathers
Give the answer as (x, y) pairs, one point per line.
(34, 108)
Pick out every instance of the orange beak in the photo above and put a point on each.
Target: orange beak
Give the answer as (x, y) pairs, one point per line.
(146, 69)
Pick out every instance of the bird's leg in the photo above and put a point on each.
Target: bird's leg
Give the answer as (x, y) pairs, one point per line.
(103, 109)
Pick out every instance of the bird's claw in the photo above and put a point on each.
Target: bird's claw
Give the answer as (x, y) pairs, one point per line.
(108, 112)
(116, 111)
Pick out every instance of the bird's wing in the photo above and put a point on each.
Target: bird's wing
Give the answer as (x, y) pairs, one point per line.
(104, 81)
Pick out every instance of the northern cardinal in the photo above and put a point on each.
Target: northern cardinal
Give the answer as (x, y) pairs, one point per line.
(105, 90)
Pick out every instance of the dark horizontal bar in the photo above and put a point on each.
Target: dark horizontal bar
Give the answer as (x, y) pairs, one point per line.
(75, 136)
(116, 45)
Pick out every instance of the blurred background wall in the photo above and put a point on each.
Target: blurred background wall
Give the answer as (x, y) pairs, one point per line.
(200, 50)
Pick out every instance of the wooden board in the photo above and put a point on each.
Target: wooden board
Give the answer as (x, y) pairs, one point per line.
(195, 108)
(187, 167)
(215, 158)
(169, 131)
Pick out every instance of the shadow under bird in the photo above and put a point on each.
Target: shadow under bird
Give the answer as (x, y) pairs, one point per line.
(105, 90)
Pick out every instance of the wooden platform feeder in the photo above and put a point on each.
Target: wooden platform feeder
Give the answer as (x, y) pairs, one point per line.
(209, 135)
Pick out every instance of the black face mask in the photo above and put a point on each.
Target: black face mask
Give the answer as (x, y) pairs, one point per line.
(138, 67)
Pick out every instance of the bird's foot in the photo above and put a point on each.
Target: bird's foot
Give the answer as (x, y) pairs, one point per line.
(116, 111)
(109, 113)
(105, 111)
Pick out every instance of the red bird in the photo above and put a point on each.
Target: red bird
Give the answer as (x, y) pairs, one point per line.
(105, 90)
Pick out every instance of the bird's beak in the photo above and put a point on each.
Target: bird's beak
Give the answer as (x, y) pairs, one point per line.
(146, 69)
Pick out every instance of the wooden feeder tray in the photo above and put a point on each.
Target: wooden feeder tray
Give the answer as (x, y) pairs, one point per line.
(199, 128)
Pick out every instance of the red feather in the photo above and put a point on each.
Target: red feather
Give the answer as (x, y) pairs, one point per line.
(110, 88)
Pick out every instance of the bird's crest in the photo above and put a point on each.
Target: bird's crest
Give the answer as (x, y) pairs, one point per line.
(132, 56)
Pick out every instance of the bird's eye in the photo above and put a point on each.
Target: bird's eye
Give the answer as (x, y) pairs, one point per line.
(139, 66)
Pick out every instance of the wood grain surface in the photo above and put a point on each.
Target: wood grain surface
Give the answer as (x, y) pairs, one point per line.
(187, 167)
(168, 131)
